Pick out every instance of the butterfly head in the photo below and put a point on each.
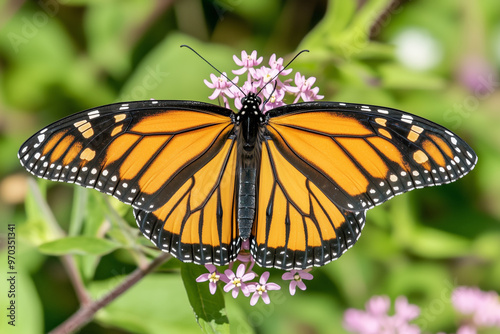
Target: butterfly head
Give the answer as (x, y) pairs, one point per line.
(250, 110)
(250, 105)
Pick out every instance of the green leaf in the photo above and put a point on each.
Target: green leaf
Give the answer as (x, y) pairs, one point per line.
(95, 211)
(156, 304)
(345, 30)
(80, 200)
(336, 19)
(209, 309)
(41, 223)
(78, 245)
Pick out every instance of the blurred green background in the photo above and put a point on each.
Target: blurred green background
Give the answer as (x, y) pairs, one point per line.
(436, 59)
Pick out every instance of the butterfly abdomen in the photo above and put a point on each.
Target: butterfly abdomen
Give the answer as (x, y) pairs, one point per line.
(246, 200)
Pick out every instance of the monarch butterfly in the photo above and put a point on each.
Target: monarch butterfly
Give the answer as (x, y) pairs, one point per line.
(295, 182)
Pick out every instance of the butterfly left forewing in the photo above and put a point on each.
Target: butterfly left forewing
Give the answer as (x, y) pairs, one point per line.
(197, 224)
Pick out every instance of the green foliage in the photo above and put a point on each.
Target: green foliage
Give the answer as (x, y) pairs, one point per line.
(78, 246)
(209, 309)
(157, 304)
(57, 58)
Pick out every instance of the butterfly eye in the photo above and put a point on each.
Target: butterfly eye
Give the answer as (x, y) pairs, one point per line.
(243, 100)
(259, 100)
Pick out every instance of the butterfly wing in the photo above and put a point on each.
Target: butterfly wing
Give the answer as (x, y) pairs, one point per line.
(324, 164)
(198, 224)
(173, 161)
(139, 152)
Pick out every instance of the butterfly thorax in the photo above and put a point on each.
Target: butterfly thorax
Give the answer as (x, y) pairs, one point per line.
(249, 120)
(249, 128)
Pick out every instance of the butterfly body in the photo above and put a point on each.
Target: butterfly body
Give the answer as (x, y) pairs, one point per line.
(296, 182)
(249, 130)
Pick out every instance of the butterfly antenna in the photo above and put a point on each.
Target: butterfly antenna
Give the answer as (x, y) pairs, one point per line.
(270, 95)
(206, 61)
(284, 68)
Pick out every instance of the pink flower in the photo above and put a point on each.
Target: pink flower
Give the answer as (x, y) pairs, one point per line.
(245, 257)
(378, 305)
(296, 277)
(248, 61)
(213, 276)
(278, 65)
(360, 322)
(264, 81)
(466, 300)
(260, 289)
(477, 74)
(221, 85)
(304, 90)
(236, 281)
(274, 99)
(375, 319)
(466, 330)
(265, 75)
(483, 306)
(405, 310)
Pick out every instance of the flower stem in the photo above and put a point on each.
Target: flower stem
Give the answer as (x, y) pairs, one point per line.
(86, 312)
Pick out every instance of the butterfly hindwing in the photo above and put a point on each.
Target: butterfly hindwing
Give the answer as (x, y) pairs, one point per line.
(297, 226)
(198, 224)
(140, 152)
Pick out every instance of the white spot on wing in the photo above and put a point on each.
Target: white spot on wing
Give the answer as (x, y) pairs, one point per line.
(93, 114)
(407, 119)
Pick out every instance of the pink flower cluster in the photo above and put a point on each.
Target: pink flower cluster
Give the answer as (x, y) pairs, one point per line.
(375, 319)
(481, 308)
(241, 279)
(264, 81)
